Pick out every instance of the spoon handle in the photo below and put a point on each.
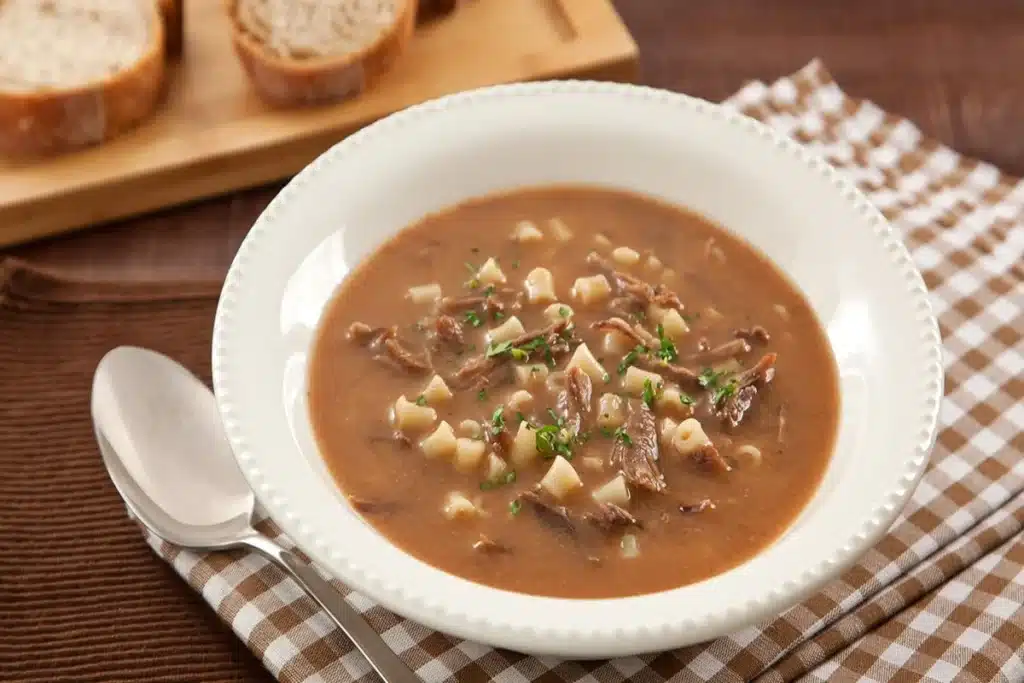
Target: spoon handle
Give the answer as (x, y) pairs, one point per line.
(381, 657)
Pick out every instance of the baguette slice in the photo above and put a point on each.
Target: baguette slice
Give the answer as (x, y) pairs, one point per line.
(305, 52)
(76, 72)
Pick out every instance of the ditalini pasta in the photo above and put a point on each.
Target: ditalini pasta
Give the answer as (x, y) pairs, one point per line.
(572, 392)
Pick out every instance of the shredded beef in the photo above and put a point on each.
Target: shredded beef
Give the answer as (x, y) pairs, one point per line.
(449, 330)
(747, 384)
(403, 358)
(636, 333)
(700, 506)
(753, 334)
(609, 516)
(730, 349)
(574, 401)
(554, 516)
(638, 458)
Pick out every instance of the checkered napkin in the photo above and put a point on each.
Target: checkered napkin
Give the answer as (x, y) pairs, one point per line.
(940, 598)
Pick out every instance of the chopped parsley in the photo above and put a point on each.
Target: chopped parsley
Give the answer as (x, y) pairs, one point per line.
(712, 380)
(489, 290)
(498, 419)
(651, 392)
(709, 377)
(564, 311)
(481, 395)
(686, 399)
(622, 436)
(473, 319)
(630, 358)
(520, 416)
(503, 480)
(421, 400)
(667, 350)
(518, 354)
(514, 507)
(723, 392)
(498, 315)
(498, 349)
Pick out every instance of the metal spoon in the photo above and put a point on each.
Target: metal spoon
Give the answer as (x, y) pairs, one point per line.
(161, 439)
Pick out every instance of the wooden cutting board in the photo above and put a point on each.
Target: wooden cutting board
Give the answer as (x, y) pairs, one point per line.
(212, 135)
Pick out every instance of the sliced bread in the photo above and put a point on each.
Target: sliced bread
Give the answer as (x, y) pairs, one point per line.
(299, 52)
(76, 72)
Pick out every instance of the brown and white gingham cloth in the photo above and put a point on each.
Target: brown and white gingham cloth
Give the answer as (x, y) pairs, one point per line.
(940, 598)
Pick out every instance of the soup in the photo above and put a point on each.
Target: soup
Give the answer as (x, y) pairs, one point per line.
(573, 392)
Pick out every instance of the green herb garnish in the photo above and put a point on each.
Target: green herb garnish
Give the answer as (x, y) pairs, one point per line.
(651, 392)
(667, 350)
(503, 480)
(518, 354)
(563, 311)
(630, 358)
(498, 419)
(723, 392)
(520, 416)
(709, 377)
(686, 399)
(473, 319)
(622, 436)
(489, 290)
(421, 400)
(514, 507)
(498, 349)
(498, 315)
(481, 395)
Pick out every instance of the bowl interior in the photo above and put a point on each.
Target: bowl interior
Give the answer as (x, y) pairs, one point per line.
(833, 246)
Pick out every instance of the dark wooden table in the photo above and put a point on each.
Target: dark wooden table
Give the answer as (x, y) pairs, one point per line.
(951, 66)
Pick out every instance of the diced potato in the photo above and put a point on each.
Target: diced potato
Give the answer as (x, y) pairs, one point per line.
(559, 230)
(424, 294)
(656, 313)
(629, 546)
(670, 400)
(615, 492)
(436, 390)
(592, 462)
(508, 330)
(561, 479)
(471, 429)
(524, 446)
(441, 442)
(689, 436)
(457, 506)
(490, 273)
(557, 312)
(527, 231)
(469, 453)
(530, 375)
(617, 343)
(540, 286)
(667, 430)
(406, 416)
(611, 411)
(583, 359)
(653, 263)
(674, 325)
(520, 400)
(495, 467)
(633, 380)
(625, 256)
(748, 455)
(591, 290)
(602, 241)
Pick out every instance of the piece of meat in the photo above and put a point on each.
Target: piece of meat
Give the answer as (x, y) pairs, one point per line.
(708, 457)
(610, 516)
(462, 303)
(755, 333)
(730, 349)
(700, 506)
(554, 516)
(371, 337)
(636, 333)
(673, 371)
(747, 384)
(482, 366)
(637, 458)
(574, 401)
(449, 330)
(394, 438)
(373, 507)
(488, 547)
(403, 358)
(624, 306)
(635, 288)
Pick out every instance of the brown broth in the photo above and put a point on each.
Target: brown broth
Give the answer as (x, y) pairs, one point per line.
(350, 396)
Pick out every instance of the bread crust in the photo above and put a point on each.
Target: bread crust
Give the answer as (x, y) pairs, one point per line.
(173, 13)
(283, 82)
(53, 121)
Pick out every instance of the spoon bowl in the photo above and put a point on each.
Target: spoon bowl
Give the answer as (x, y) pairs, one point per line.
(160, 437)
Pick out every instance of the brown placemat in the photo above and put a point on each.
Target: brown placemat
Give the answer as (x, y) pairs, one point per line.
(82, 598)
